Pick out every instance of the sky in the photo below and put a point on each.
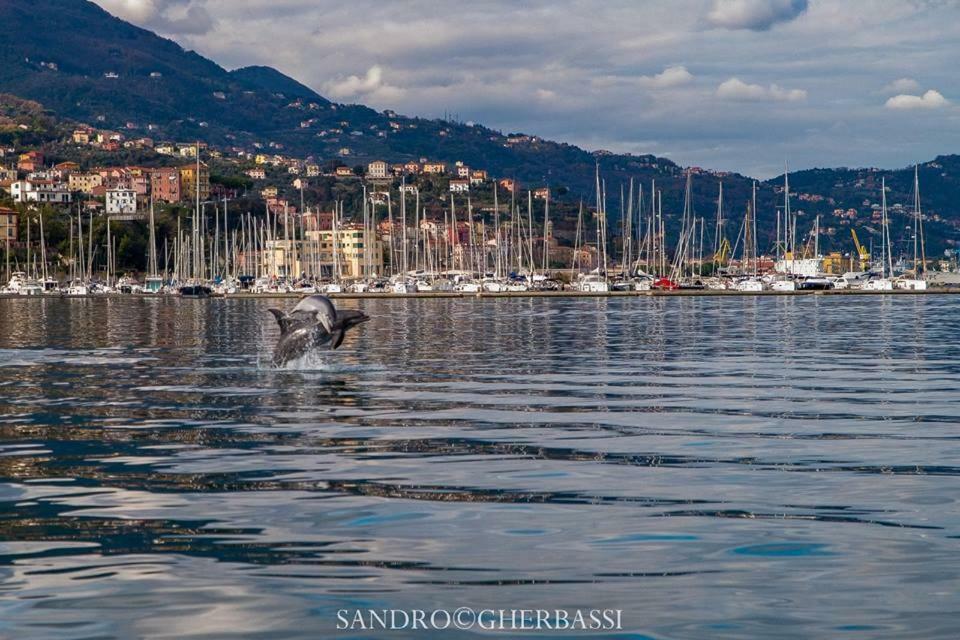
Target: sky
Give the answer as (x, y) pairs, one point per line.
(737, 85)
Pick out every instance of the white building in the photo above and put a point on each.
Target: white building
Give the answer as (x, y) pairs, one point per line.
(459, 186)
(39, 191)
(121, 201)
(377, 169)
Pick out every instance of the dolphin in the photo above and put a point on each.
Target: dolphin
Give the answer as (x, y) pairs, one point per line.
(312, 323)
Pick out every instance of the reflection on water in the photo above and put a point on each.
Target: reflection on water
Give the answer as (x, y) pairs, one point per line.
(714, 467)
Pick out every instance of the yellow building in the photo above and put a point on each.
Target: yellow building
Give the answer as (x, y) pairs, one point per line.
(188, 182)
(835, 263)
(350, 252)
(315, 256)
(84, 182)
(8, 225)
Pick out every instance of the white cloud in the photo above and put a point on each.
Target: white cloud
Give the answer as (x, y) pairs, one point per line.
(902, 85)
(756, 15)
(737, 89)
(371, 84)
(669, 77)
(932, 99)
(133, 10)
(173, 17)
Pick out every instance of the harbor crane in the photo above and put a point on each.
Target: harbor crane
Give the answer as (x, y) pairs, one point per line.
(862, 252)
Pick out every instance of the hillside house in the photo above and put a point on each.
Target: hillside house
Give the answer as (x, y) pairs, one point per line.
(41, 191)
(8, 225)
(30, 161)
(165, 184)
(84, 182)
(377, 169)
(121, 201)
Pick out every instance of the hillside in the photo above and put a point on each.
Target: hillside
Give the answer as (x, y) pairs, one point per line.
(65, 54)
(84, 65)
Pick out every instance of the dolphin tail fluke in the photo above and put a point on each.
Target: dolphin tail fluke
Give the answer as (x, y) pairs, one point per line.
(282, 320)
(336, 338)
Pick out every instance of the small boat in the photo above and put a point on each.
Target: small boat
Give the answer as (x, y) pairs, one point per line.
(912, 284)
(129, 285)
(194, 291)
(749, 285)
(51, 286)
(783, 285)
(665, 284)
(878, 284)
(593, 283)
(492, 285)
(404, 287)
(815, 284)
(332, 287)
(78, 288)
(152, 284)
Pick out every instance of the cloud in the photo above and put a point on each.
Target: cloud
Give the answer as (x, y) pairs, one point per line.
(756, 15)
(669, 77)
(737, 89)
(902, 85)
(932, 99)
(172, 17)
(370, 84)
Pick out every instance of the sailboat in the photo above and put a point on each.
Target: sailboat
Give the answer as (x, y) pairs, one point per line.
(153, 283)
(596, 281)
(751, 283)
(918, 281)
(885, 281)
(195, 288)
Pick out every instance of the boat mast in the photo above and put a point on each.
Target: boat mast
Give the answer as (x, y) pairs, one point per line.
(756, 253)
(918, 225)
(496, 232)
(153, 242)
(89, 248)
(546, 230)
(576, 239)
(43, 248)
(883, 234)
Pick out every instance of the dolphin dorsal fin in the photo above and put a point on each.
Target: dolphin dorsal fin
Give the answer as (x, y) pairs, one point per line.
(282, 319)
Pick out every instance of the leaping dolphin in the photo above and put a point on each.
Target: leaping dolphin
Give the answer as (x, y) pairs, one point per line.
(312, 323)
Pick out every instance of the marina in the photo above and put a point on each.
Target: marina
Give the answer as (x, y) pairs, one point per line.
(407, 254)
